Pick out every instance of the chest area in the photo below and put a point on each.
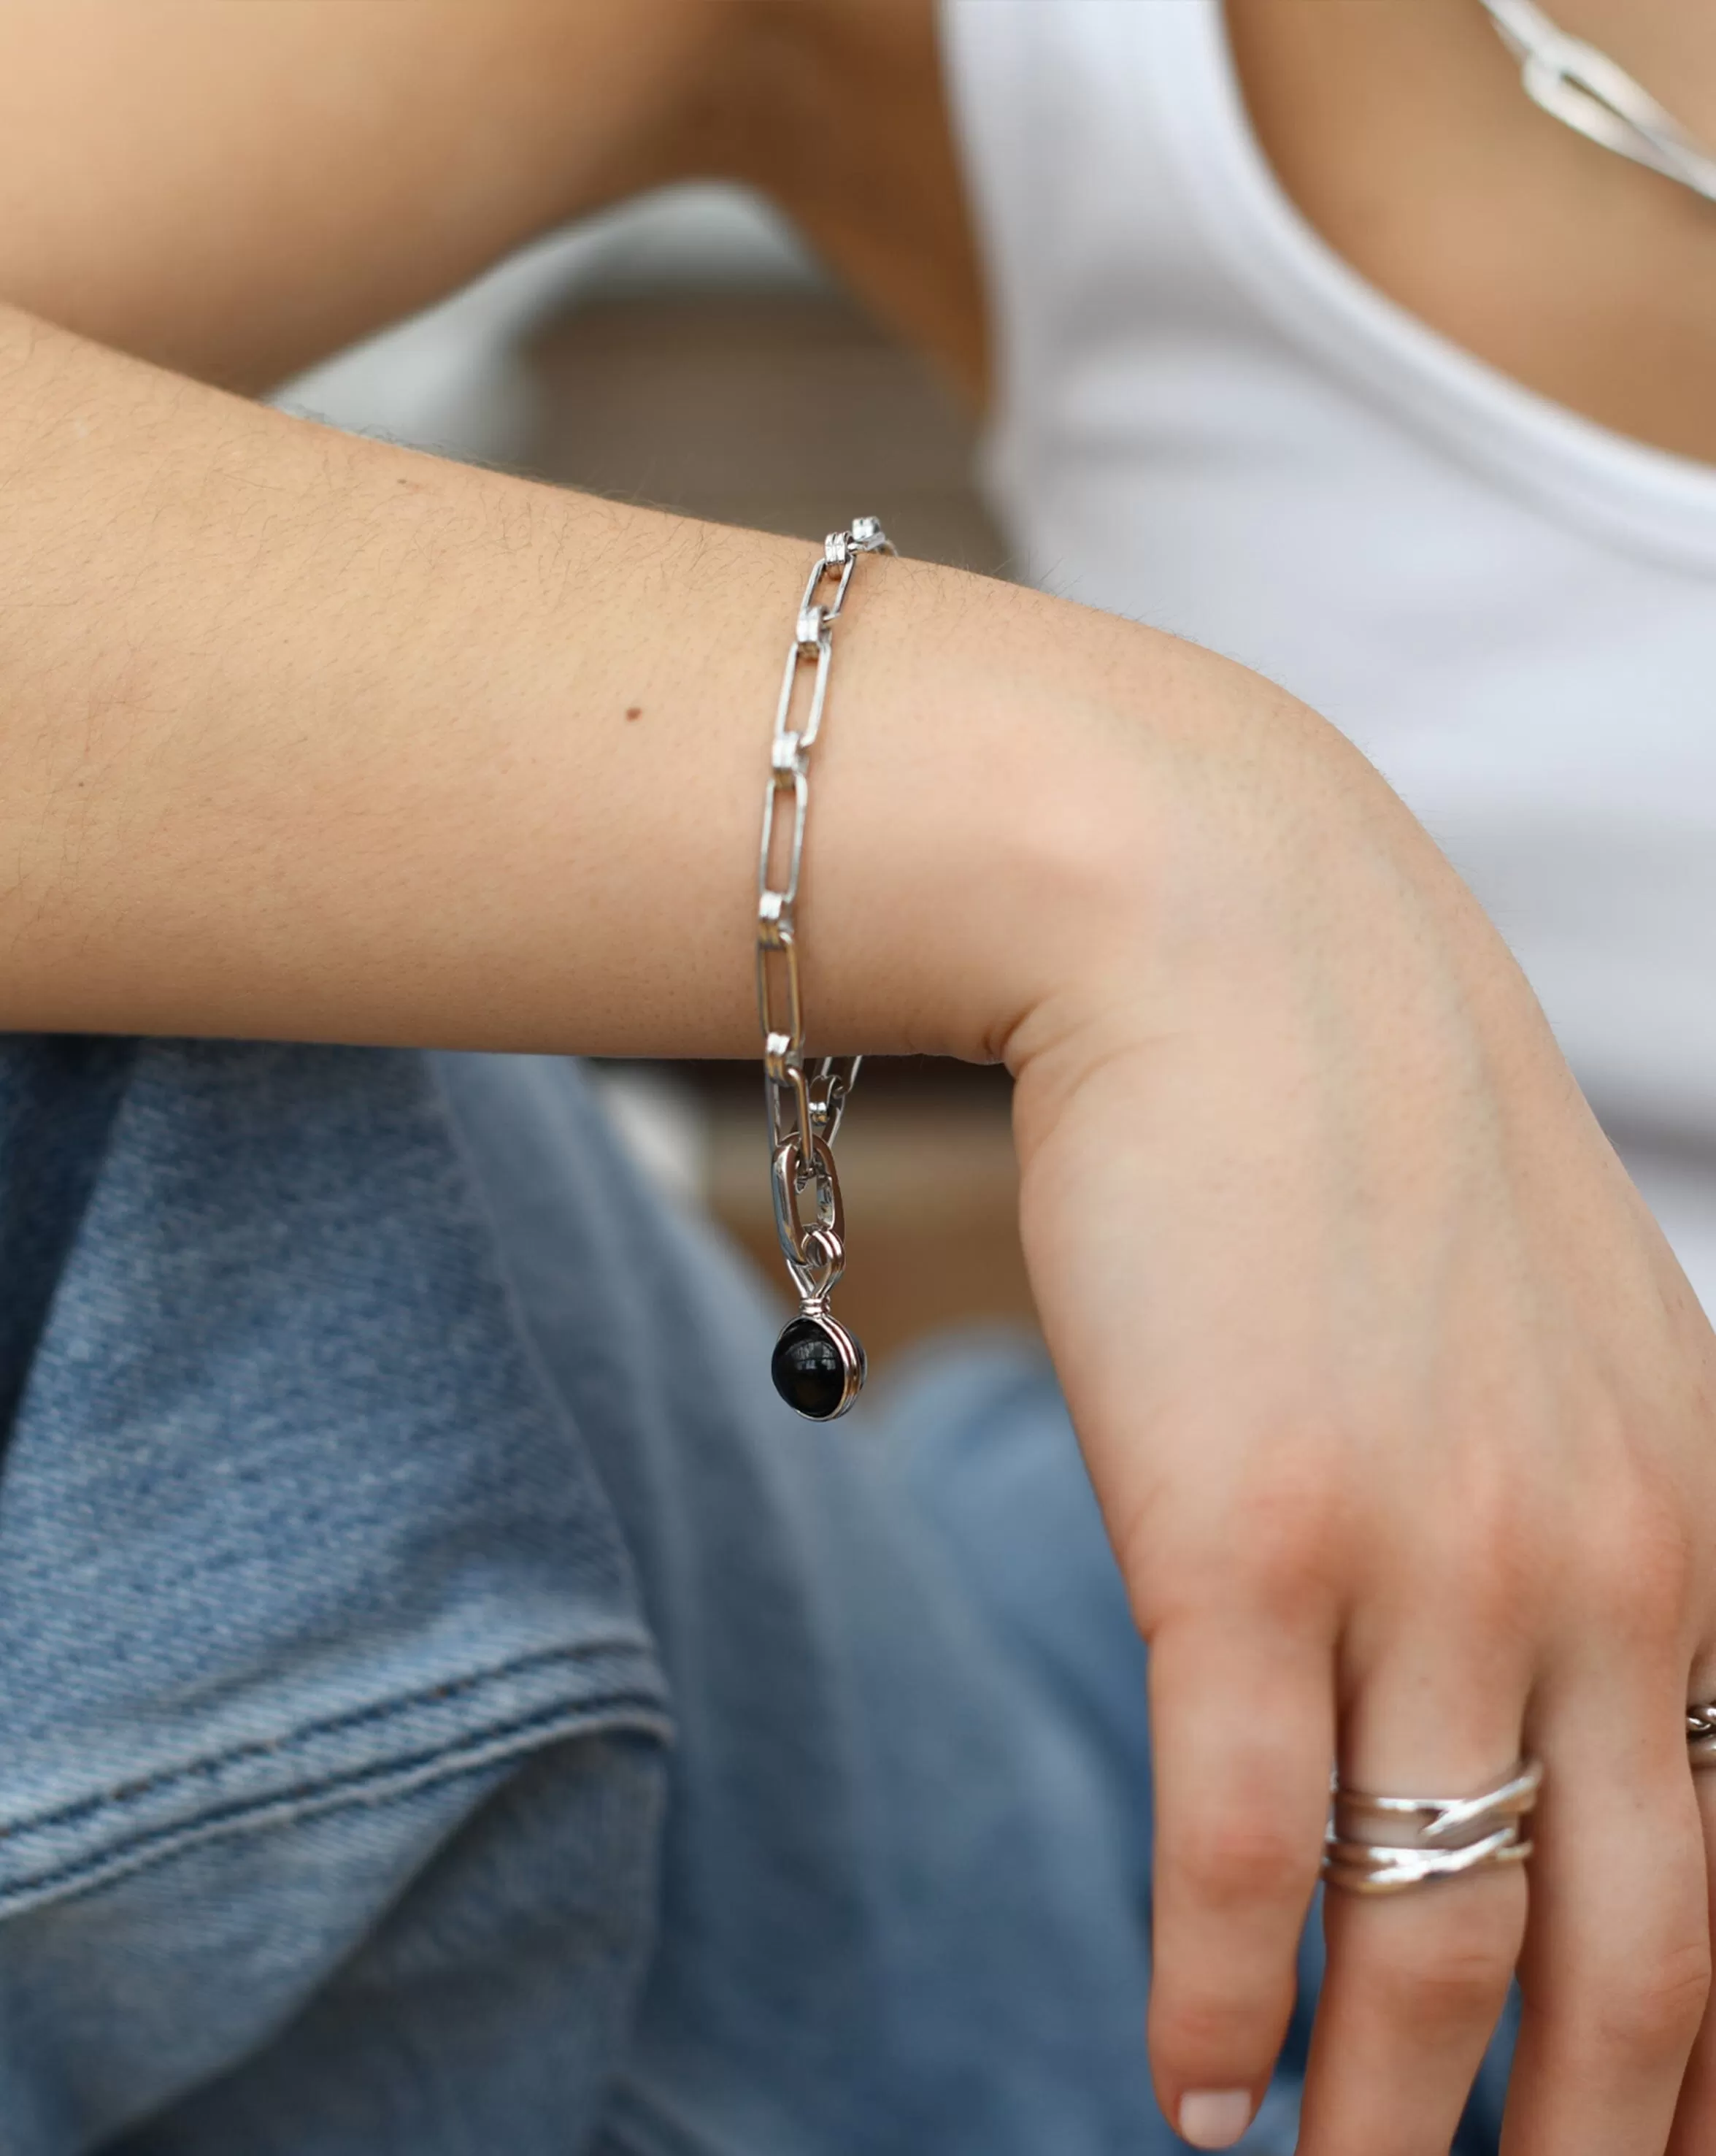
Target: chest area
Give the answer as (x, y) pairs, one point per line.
(1405, 138)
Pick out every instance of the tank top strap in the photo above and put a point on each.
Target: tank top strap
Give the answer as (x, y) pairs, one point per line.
(1065, 114)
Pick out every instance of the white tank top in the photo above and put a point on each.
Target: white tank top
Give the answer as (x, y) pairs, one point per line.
(1207, 420)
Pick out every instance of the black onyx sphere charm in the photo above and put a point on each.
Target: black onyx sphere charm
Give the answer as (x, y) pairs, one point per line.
(818, 1367)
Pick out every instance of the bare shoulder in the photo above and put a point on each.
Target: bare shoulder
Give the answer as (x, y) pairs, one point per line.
(234, 191)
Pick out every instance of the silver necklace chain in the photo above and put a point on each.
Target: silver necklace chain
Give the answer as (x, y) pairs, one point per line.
(1582, 87)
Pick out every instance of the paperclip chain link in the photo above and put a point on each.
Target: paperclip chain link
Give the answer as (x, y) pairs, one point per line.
(804, 1105)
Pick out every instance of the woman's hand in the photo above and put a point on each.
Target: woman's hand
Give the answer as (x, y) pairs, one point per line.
(1401, 1414)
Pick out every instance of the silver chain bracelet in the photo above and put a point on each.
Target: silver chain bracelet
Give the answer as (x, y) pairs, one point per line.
(818, 1366)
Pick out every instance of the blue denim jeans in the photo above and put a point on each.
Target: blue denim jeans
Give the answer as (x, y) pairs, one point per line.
(447, 1706)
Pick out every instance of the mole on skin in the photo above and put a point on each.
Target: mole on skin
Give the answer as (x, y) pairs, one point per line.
(634, 710)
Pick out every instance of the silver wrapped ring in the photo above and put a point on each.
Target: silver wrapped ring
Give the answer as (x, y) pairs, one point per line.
(1701, 1734)
(1388, 1845)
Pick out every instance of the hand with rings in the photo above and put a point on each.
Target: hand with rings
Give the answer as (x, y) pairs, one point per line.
(1403, 1421)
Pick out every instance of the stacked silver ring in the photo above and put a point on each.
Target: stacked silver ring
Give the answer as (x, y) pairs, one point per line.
(1388, 1844)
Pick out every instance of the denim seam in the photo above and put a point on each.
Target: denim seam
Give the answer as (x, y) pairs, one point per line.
(355, 1718)
(382, 1781)
(638, 2124)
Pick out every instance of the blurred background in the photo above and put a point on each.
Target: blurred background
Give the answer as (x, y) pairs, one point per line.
(687, 351)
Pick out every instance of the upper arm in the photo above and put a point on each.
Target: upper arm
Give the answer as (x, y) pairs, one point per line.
(235, 191)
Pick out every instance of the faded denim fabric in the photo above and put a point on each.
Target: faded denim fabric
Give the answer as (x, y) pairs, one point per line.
(298, 1554)
(446, 1704)
(895, 1916)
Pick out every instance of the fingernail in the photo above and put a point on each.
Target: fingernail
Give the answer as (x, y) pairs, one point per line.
(1214, 2118)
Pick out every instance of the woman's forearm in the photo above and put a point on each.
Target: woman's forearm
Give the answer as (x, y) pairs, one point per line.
(307, 736)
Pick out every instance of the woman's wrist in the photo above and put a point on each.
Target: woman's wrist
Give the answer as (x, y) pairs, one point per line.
(993, 810)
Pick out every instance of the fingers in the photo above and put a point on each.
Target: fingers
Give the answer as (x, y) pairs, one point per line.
(1416, 1980)
(1616, 1969)
(1244, 1736)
